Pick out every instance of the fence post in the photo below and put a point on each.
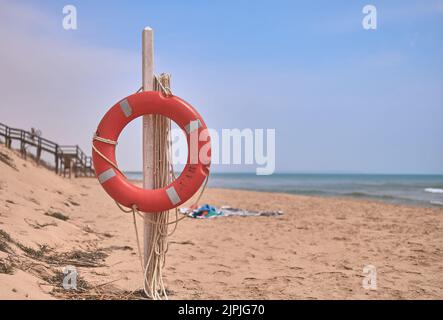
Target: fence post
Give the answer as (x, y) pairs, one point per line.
(39, 149)
(56, 159)
(22, 144)
(8, 138)
(76, 164)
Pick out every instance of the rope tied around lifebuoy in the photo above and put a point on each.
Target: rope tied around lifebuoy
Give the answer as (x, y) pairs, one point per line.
(165, 89)
(134, 206)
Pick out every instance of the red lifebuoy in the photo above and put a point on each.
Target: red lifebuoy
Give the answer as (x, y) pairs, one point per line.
(116, 184)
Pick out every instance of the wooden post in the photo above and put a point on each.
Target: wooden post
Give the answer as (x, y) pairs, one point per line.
(56, 159)
(22, 143)
(8, 138)
(39, 150)
(75, 162)
(148, 137)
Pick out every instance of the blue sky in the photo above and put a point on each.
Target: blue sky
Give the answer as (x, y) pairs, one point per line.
(341, 98)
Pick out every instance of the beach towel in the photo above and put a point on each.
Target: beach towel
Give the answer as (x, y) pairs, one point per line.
(207, 211)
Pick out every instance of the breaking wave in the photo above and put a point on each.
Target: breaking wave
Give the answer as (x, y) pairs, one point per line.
(434, 190)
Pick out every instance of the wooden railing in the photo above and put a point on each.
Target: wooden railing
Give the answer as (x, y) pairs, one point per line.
(67, 159)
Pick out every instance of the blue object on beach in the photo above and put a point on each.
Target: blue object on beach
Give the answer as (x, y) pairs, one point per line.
(206, 211)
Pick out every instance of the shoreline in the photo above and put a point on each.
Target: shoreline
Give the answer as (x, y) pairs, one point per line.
(407, 203)
(343, 198)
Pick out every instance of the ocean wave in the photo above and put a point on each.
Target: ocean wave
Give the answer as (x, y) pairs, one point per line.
(356, 194)
(437, 203)
(434, 190)
(370, 195)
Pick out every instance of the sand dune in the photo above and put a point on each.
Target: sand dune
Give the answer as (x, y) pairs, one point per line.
(317, 249)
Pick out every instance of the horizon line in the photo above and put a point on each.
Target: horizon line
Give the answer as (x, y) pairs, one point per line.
(313, 173)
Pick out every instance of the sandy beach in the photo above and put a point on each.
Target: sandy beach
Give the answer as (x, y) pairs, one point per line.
(316, 250)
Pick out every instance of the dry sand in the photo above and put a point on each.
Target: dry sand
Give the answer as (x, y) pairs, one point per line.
(316, 250)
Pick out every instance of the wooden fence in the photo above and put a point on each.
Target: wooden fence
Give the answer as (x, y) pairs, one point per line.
(67, 159)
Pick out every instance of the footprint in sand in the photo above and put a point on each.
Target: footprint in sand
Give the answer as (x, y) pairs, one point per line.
(223, 273)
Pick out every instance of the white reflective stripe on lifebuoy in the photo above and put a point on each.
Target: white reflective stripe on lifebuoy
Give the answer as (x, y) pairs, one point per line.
(106, 175)
(173, 195)
(126, 107)
(193, 125)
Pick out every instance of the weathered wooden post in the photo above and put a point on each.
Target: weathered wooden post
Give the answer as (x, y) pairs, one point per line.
(155, 171)
(8, 137)
(39, 149)
(56, 159)
(148, 140)
(22, 143)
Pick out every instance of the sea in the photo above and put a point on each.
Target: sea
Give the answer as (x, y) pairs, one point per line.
(420, 190)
